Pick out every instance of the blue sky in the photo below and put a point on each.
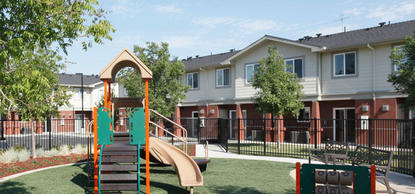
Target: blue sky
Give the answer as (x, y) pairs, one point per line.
(196, 27)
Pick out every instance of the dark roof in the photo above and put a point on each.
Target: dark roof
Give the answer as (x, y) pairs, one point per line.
(196, 63)
(75, 79)
(379, 34)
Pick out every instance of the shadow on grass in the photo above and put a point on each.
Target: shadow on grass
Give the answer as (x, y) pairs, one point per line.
(238, 190)
(14, 187)
(170, 189)
(82, 179)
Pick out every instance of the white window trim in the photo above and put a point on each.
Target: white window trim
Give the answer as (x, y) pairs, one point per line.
(223, 78)
(198, 78)
(410, 114)
(306, 108)
(246, 71)
(63, 119)
(293, 59)
(344, 64)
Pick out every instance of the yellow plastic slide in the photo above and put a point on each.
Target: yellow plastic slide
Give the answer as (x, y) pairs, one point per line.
(186, 168)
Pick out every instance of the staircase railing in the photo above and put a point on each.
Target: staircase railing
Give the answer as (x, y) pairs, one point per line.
(179, 138)
(184, 131)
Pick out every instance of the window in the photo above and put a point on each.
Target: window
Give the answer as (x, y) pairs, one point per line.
(304, 115)
(250, 70)
(193, 80)
(399, 50)
(344, 64)
(223, 77)
(412, 114)
(63, 119)
(76, 93)
(295, 66)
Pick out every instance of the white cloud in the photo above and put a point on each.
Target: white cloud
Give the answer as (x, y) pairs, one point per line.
(244, 25)
(212, 22)
(168, 9)
(119, 9)
(392, 11)
(258, 25)
(384, 12)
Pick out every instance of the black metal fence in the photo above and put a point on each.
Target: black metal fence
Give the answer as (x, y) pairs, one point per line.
(293, 138)
(47, 134)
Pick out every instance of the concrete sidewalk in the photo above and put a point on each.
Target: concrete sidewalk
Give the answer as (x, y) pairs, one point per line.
(400, 183)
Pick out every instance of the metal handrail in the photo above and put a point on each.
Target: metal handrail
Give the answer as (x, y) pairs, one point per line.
(174, 123)
(180, 138)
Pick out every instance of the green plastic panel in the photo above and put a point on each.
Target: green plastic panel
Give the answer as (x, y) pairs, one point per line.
(105, 124)
(361, 177)
(137, 126)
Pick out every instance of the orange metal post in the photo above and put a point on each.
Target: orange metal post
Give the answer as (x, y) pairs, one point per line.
(297, 178)
(147, 117)
(95, 150)
(373, 179)
(109, 97)
(105, 94)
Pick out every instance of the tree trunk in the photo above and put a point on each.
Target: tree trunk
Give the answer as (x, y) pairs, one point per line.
(33, 140)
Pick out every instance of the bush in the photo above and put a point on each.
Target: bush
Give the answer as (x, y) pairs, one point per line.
(56, 147)
(79, 149)
(9, 155)
(23, 155)
(64, 151)
(52, 152)
(14, 155)
(40, 152)
(18, 148)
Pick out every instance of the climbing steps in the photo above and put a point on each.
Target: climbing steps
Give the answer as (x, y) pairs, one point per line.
(119, 167)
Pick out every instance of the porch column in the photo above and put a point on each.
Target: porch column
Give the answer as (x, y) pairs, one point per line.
(39, 127)
(8, 124)
(315, 114)
(17, 124)
(161, 131)
(279, 124)
(241, 123)
(177, 130)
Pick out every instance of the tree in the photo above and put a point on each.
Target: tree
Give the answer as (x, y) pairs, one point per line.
(166, 89)
(32, 32)
(279, 92)
(404, 79)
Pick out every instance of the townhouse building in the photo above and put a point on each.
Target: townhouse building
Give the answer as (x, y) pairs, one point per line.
(344, 76)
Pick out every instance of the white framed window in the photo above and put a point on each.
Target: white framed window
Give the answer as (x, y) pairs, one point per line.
(399, 50)
(76, 93)
(412, 114)
(250, 70)
(63, 119)
(295, 65)
(223, 77)
(304, 115)
(122, 121)
(344, 64)
(193, 80)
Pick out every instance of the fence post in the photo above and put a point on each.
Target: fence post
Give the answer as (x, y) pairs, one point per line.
(413, 146)
(49, 128)
(315, 133)
(370, 139)
(2, 130)
(239, 134)
(199, 133)
(265, 136)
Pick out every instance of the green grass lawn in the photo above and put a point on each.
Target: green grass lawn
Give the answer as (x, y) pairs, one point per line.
(222, 176)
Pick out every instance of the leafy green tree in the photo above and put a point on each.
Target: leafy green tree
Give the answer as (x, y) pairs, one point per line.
(279, 92)
(166, 89)
(404, 79)
(32, 32)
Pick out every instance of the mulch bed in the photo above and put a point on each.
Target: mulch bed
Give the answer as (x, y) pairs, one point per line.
(7, 169)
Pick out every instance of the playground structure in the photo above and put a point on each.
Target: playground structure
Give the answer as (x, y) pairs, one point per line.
(116, 160)
(345, 179)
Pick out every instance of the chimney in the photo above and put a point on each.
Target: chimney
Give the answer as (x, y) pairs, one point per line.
(231, 50)
(318, 34)
(197, 56)
(381, 24)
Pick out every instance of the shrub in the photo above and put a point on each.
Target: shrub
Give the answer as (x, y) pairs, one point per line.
(52, 152)
(79, 149)
(23, 155)
(18, 148)
(56, 147)
(40, 152)
(64, 151)
(9, 155)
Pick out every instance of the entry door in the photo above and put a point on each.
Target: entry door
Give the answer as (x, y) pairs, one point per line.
(344, 125)
(195, 127)
(232, 117)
